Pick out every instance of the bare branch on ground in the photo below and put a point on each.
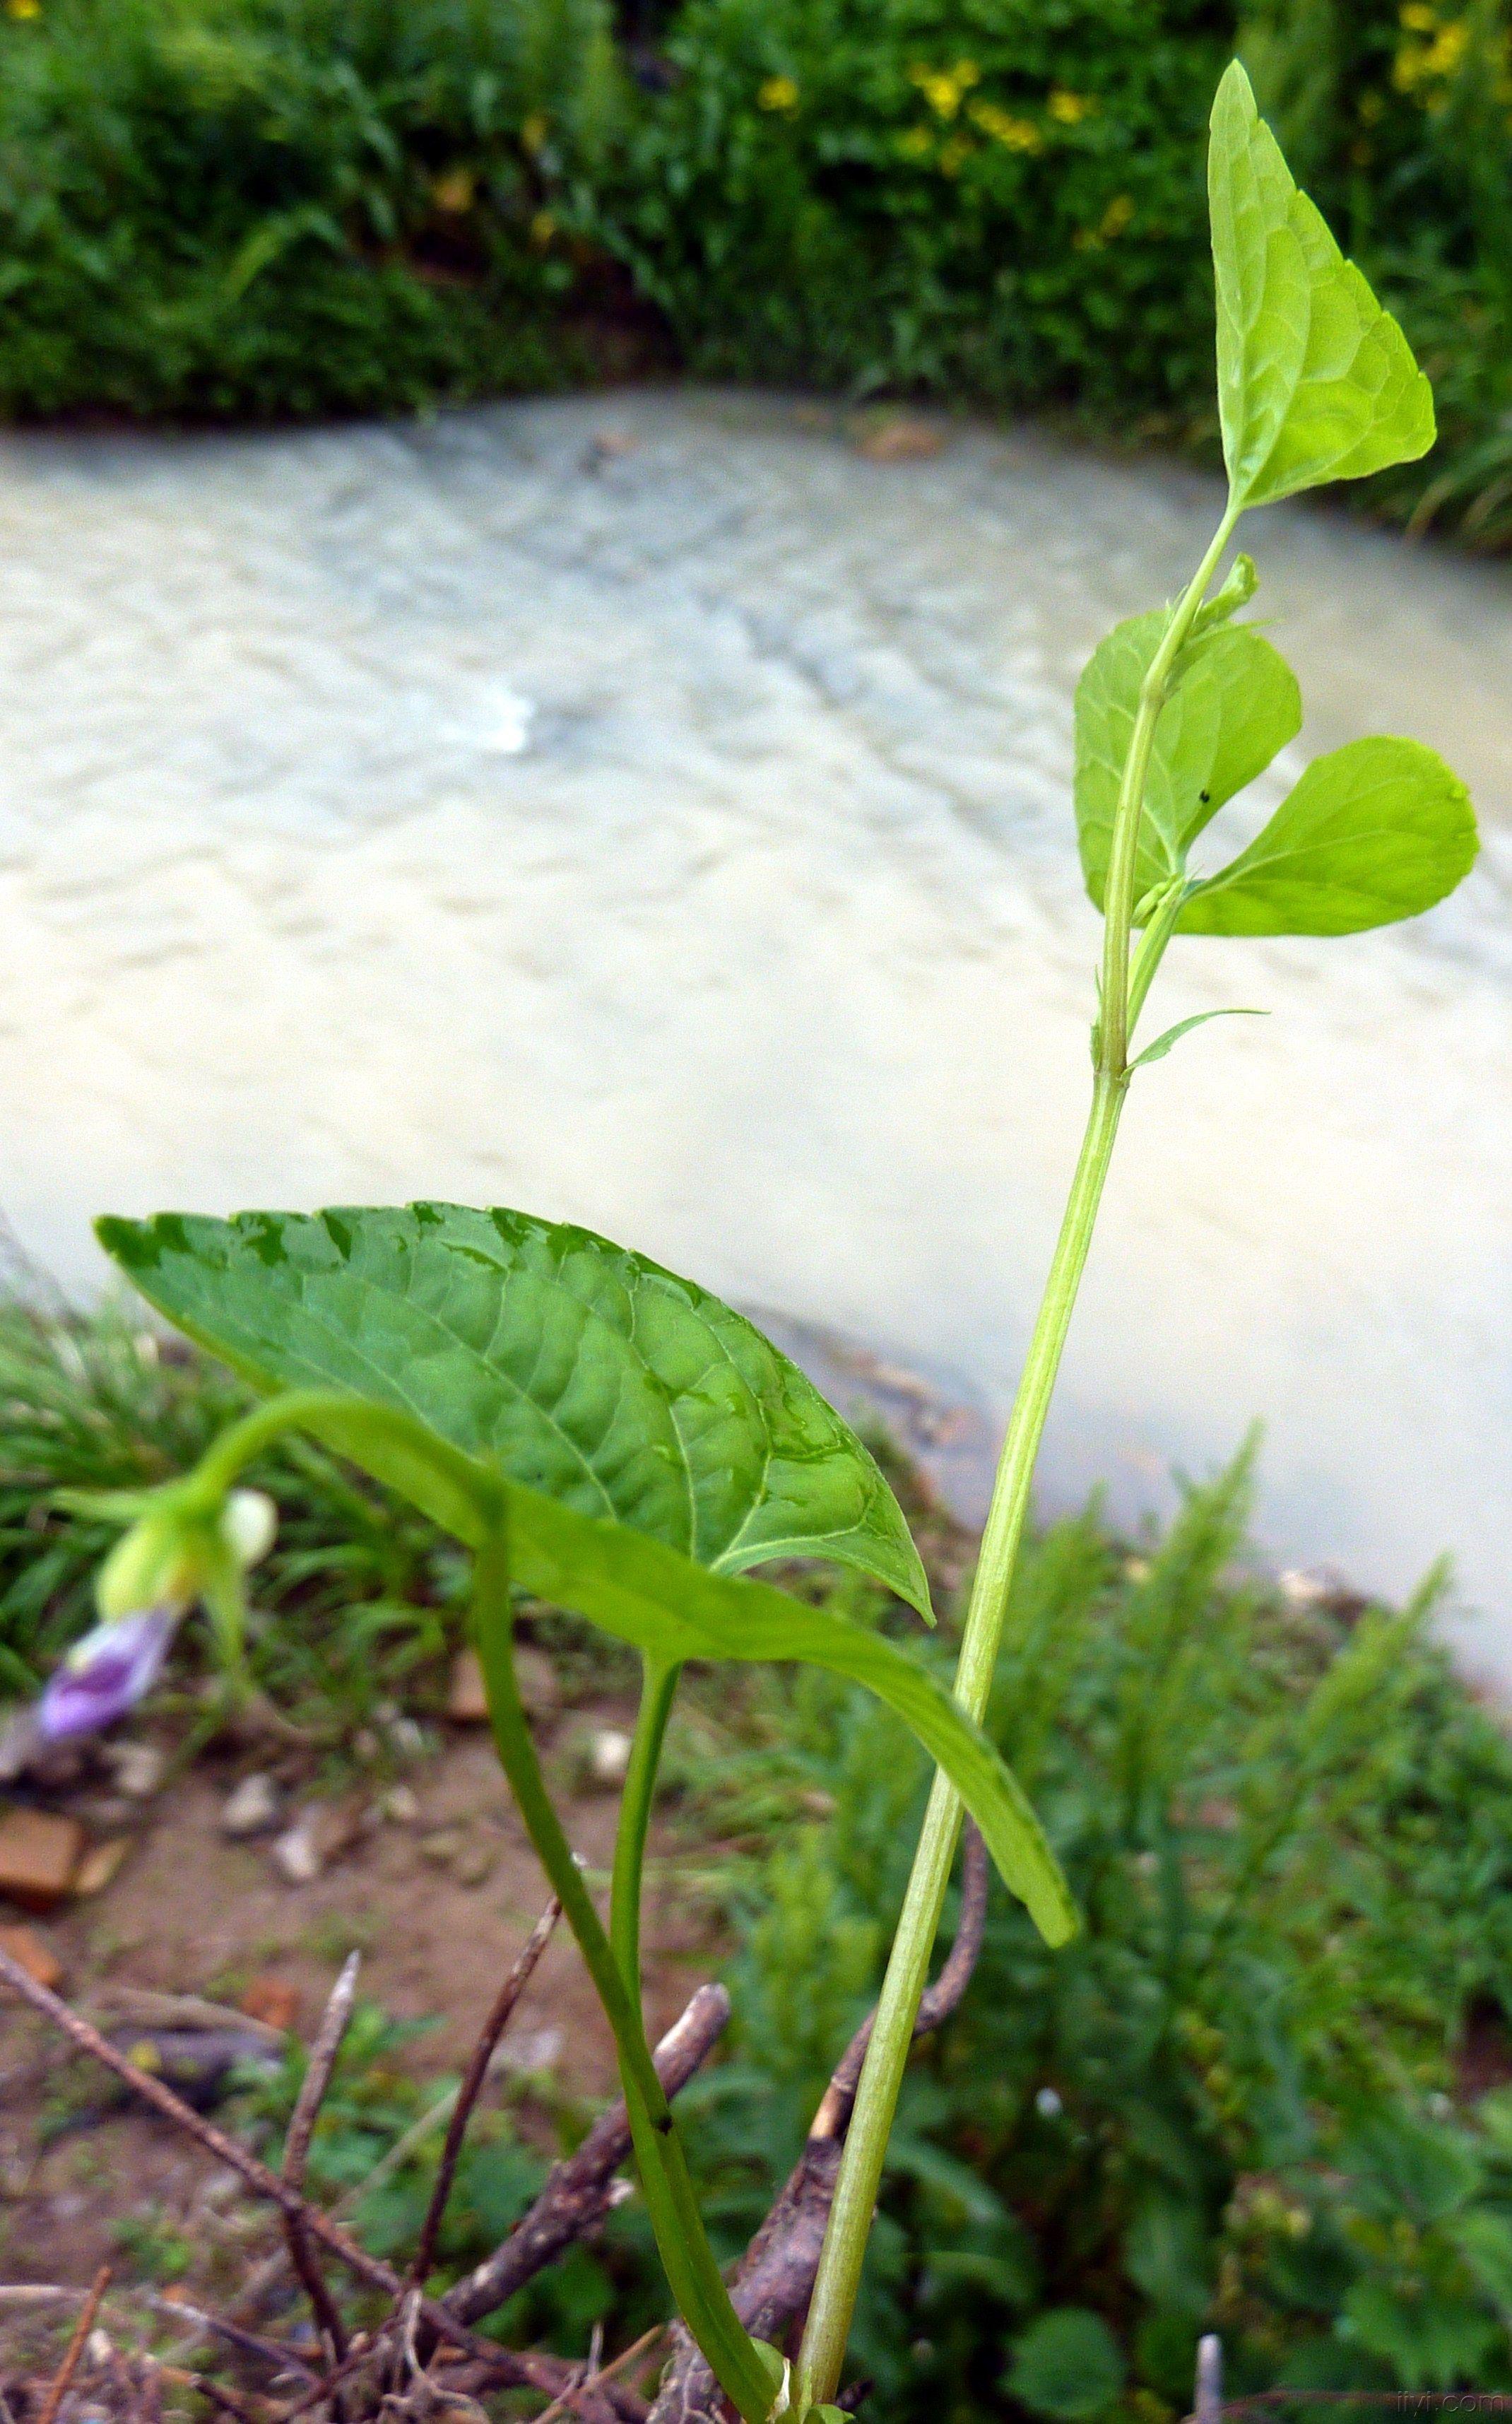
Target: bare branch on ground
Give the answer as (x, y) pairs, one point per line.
(477, 2071)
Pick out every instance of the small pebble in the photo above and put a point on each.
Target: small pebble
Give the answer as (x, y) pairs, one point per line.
(400, 1805)
(475, 1863)
(407, 1739)
(295, 1855)
(252, 1807)
(608, 1756)
(139, 1768)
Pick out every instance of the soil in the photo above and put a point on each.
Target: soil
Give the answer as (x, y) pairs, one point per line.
(439, 1905)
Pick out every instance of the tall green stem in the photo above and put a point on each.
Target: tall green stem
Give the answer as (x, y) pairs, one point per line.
(657, 1695)
(860, 2176)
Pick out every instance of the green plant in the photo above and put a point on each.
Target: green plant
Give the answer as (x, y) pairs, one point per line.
(613, 1439)
(266, 207)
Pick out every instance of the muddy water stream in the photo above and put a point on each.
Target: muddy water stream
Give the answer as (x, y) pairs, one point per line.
(651, 810)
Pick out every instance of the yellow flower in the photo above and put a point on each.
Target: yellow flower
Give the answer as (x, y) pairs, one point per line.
(454, 192)
(534, 130)
(1448, 48)
(1419, 19)
(1071, 107)
(1017, 133)
(1430, 62)
(778, 93)
(942, 87)
(1112, 223)
(23, 8)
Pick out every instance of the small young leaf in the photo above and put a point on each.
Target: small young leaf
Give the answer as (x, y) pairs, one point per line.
(583, 1371)
(1233, 703)
(1158, 1050)
(1316, 381)
(1377, 830)
(1239, 587)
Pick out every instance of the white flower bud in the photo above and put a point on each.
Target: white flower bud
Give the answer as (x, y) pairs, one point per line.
(248, 1523)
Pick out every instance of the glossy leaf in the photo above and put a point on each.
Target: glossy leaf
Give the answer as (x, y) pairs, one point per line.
(641, 1589)
(1232, 705)
(1315, 381)
(583, 1371)
(1377, 830)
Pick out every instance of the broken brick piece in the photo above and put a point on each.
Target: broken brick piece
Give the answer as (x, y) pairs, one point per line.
(39, 1857)
(38, 1960)
(99, 1864)
(271, 2001)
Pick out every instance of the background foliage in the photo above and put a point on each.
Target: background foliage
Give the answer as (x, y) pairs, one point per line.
(273, 207)
(291, 207)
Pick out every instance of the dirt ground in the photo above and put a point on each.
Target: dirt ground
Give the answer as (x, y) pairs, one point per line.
(438, 1899)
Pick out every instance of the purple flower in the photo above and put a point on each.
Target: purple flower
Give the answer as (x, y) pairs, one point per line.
(106, 1673)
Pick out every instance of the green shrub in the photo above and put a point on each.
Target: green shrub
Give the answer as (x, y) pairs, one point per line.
(942, 194)
(1235, 2102)
(260, 207)
(263, 208)
(1002, 200)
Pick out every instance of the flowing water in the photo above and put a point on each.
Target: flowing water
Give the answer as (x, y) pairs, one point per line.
(653, 811)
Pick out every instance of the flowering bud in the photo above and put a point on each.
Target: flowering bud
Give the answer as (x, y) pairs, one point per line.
(163, 1562)
(106, 1673)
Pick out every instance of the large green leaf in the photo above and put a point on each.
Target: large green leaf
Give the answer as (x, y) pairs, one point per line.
(1233, 703)
(1316, 381)
(638, 1587)
(581, 1370)
(1377, 830)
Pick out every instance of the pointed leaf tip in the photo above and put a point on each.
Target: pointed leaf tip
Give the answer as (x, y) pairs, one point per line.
(1317, 381)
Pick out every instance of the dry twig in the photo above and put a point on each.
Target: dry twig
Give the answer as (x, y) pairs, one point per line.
(605, 2373)
(472, 2087)
(58, 2390)
(311, 2095)
(540, 2373)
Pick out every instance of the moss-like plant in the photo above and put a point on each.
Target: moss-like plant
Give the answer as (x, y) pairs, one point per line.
(613, 1439)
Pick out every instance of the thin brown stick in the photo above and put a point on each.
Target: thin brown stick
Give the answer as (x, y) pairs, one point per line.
(57, 2391)
(472, 2087)
(938, 2002)
(231, 2401)
(273, 2353)
(609, 2372)
(312, 2087)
